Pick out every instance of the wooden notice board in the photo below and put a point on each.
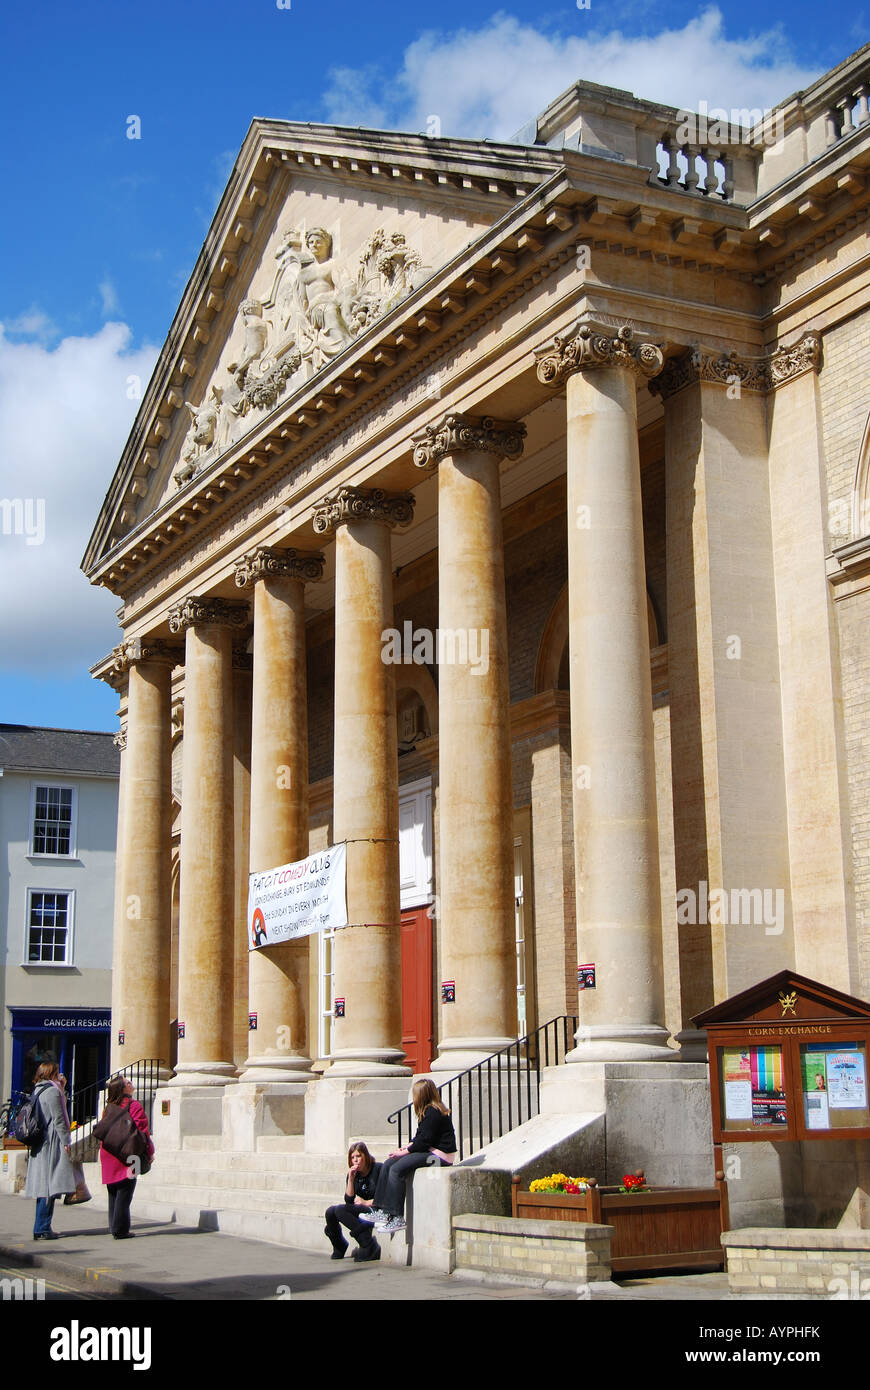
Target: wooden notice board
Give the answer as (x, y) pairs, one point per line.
(788, 1061)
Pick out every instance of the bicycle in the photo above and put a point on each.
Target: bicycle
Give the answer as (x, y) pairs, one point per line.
(9, 1111)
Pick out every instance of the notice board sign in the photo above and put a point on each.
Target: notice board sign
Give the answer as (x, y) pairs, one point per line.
(788, 1060)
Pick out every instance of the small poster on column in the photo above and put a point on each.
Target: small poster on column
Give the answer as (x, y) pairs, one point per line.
(298, 899)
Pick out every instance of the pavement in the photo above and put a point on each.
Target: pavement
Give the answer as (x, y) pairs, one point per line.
(173, 1263)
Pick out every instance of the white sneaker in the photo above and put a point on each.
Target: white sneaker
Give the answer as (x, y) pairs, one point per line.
(368, 1216)
(382, 1220)
(395, 1223)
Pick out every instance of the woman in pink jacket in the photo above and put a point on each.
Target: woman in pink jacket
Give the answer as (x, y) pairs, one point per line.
(119, 1177)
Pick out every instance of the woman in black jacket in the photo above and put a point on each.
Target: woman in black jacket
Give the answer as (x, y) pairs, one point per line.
(434, 1143)
(362, 1179)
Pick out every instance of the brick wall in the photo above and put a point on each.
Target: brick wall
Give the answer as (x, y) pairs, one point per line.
(845, 404)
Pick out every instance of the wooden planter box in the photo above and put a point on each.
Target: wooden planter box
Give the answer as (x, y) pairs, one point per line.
(660, 1228)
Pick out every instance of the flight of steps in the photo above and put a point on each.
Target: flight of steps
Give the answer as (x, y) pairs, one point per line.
(278, 1194)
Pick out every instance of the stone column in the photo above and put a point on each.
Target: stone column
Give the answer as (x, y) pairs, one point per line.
(205, 951)
(278, 991)
(144, 857)
(728, 688)
(615, 827)
(475, 790)
(243, 666)
(366, 779)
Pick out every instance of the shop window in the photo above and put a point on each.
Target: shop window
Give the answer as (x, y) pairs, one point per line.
(53, 828)
(49, 928)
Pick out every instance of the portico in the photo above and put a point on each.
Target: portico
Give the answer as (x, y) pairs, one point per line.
(432, 411)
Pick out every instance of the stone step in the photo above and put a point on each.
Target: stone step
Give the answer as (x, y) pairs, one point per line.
(244, 1180)
(227, 1160)
(208, 1197)
(299, 1229)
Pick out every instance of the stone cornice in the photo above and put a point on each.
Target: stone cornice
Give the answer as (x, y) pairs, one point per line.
(729, 369)
(457, 434)
(589, 345)
(350, 504)
(195, 612)
(270, 562)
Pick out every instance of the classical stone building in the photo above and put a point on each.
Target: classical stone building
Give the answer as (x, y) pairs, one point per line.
(586, 416)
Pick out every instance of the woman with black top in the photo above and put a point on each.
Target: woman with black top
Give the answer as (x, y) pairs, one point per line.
(362, 1179)
(434, 1143)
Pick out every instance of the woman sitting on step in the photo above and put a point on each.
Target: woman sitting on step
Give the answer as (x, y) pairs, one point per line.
(362, 1179)
(434, 1143)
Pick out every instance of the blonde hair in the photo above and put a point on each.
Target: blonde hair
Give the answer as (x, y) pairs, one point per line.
(424, 1094)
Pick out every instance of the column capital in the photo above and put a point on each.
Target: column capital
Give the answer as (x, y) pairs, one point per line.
(588, 344)
(120, 738)
(762, 373)
(363, 504)
(267, 562)
(456, 434)
(134, 650)
(194, 612)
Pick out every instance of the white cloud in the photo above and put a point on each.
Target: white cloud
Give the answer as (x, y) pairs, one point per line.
(64, 417)
(109, 296)
(491, 81)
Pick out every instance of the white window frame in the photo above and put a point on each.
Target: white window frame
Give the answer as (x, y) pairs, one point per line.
(325, 994)
(73, 824)
(69, 962)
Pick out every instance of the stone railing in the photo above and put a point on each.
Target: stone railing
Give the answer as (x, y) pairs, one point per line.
(849, 111)
(678, 166)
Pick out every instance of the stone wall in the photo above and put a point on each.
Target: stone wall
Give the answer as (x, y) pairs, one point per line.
(528, 1252)
(803, 1263)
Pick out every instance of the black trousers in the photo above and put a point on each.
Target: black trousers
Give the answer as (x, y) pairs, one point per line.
(347, 1215)
(390, 1191)
(120, 1197)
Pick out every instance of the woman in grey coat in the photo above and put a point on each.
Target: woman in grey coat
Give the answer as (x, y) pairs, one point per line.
(50, 1171)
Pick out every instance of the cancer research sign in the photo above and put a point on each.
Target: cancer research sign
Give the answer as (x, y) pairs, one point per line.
(298, 899)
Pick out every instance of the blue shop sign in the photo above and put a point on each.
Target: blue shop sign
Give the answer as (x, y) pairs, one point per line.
(61, 1020)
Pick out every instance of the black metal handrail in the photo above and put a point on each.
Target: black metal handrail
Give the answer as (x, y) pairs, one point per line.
(145, 1076)
(511, 1078)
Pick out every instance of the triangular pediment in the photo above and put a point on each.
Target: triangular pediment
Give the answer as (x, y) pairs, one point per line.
(785, 995)
(320, 235)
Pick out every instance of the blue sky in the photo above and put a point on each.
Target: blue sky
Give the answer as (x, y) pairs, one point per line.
(101, 231)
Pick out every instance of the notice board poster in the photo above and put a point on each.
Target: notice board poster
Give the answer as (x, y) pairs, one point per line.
(737, 1083)
(768, 1093)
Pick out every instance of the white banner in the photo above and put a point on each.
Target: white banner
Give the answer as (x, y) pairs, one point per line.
(298, 899)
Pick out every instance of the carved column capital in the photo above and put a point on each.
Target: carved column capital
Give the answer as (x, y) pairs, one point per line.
(243, 660)
(193, 612)
(269, 561)
(120, 738)
(588, 345)
(456, 434)
(763, 373)
(803, 356)
(363, 504)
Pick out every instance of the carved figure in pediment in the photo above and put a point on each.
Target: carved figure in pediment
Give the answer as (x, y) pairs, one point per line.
(399, 265)
(314, 296)
(254, 344)
(201, 435)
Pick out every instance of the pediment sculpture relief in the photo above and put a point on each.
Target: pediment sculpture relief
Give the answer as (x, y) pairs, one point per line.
(315, 307)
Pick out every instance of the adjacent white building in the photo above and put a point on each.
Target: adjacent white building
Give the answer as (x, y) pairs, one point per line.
(58, 821)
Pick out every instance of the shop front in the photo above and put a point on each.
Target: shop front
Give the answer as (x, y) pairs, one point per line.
(77, 1039)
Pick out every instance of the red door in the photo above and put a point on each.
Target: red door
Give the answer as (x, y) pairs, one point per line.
(417, 988)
